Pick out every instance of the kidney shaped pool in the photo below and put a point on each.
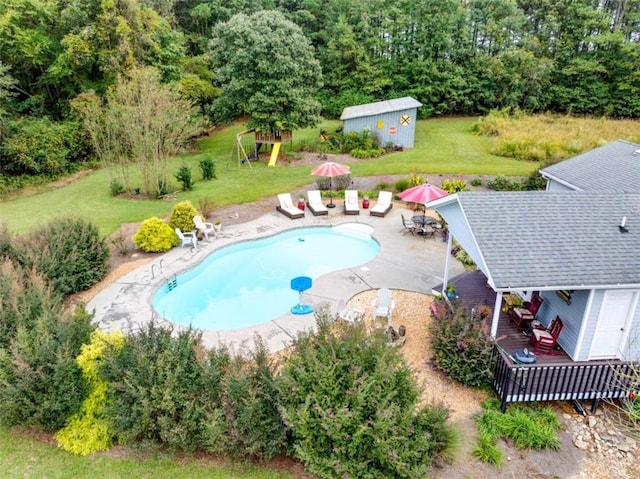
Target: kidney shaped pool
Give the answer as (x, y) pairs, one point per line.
(248, 283)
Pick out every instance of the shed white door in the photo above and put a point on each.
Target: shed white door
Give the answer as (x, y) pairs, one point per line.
(613, 323)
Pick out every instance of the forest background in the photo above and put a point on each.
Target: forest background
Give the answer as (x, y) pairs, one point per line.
(457, 57)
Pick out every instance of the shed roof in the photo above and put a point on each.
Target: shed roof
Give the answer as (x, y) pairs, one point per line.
(379, 107)
(552, 240)
(612, 167)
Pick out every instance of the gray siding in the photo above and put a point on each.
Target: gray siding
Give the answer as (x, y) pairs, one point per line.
(591, 322)
(570, 314)
(404, 136)
(465, 238)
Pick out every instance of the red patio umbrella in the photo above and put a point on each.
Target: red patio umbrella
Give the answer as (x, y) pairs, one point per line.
(331, 169)
(422, 193)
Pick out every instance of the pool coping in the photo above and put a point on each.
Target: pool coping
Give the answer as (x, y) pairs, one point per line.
(404, 262)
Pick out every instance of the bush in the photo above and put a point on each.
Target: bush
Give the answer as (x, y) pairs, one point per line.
(454, 185)
(476, 182)
(361, 153)
(40, 383)
(402, 184)
(502, 183)
(535, 181)
(69, 253)
(461, 346)
(208, 168)
(155, 236)
(88, 430)
(249, 422)
(352, 405)
(157, 388)
(182, 216)
(116, 187)
(528, 428)
(185, 178)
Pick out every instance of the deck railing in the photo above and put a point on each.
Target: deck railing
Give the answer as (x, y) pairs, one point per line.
(525, 383)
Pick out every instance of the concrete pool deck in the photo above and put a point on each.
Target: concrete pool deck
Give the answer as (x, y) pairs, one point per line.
(407, 262)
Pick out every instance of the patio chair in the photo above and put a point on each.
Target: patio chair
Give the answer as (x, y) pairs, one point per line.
(287, 208)
(351, 206)
(187, 238)
(347, 314)
(383, 305)
(383, 205)
(544, 340)
(204, 227)
(408, 226)
(523, 315)
(314, 203)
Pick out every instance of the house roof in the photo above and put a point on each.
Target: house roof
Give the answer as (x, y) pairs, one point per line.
(612, 167)
(377, 108)
(549, 240)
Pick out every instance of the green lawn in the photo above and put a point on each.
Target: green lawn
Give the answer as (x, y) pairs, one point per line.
(22, 456)
(443, 146)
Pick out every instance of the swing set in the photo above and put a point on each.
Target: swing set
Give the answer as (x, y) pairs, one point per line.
(251, 141)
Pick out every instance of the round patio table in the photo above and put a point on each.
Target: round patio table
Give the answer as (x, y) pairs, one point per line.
(424, 220)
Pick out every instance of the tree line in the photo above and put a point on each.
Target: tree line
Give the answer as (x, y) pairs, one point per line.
(457, 57)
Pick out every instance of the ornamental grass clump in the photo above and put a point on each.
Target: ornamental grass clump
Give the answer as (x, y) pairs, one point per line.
(352, 405)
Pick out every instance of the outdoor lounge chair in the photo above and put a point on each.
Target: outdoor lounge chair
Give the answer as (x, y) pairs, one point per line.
(408, 226)
(204, 227)
(351, 206)
(544, 340)
(187, 238)
(383, 306)
(314, 203)
(287, 208)
(383, 205)
(523, 315)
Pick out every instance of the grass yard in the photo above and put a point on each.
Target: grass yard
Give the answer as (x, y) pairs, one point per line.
(24, 456)
(443, 146)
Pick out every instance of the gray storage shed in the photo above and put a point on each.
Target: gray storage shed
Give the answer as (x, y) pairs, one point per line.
(392, 121)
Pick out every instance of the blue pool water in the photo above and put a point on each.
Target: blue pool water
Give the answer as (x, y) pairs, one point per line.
(248, 283)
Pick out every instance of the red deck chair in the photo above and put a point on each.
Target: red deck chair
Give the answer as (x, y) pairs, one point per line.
(544, 340)
(521, 316)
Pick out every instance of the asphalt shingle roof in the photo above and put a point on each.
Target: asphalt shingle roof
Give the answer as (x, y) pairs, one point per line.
(561, 240)
(613, 167)
(380, 107)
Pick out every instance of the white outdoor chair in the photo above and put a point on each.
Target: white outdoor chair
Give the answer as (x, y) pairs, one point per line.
(187, 238)
(204, 227)
(314, 203)
(287, 208)
(383, 306)
(347, 314)
(383, 205)
(351, 206)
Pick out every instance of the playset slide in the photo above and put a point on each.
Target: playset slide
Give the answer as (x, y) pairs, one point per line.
(274, 154)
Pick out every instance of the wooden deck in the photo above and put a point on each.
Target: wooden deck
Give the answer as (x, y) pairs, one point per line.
(552, 377)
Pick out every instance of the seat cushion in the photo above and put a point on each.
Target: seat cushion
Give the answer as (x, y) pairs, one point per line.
(541, 333)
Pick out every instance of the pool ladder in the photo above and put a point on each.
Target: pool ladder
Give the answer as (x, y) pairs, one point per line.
(171, 281)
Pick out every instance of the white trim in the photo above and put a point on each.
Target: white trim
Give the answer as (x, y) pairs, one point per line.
(584, 324)
(496, 315)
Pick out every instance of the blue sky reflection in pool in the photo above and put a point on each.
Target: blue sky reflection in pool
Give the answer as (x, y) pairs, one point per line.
(248, 283)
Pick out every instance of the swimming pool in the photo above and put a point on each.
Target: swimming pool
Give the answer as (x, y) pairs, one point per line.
(248, 283)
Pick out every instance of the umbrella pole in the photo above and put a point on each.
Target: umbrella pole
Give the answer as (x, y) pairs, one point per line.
(331, 205)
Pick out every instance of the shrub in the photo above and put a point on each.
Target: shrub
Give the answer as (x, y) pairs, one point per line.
(183, 175)
(116, 187)
(155, 236)
(528, 428)
(182, 216)
(352, 405)
(206, 207)
(88, 430)
(476, 182)
(40, 383)
(454, 185)
(502, 183)
(362, 153)
(157, 388)
(402, 184)
(461, 346)
(208, 168)
(535, 181)
(69, 253)
(249, 421)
